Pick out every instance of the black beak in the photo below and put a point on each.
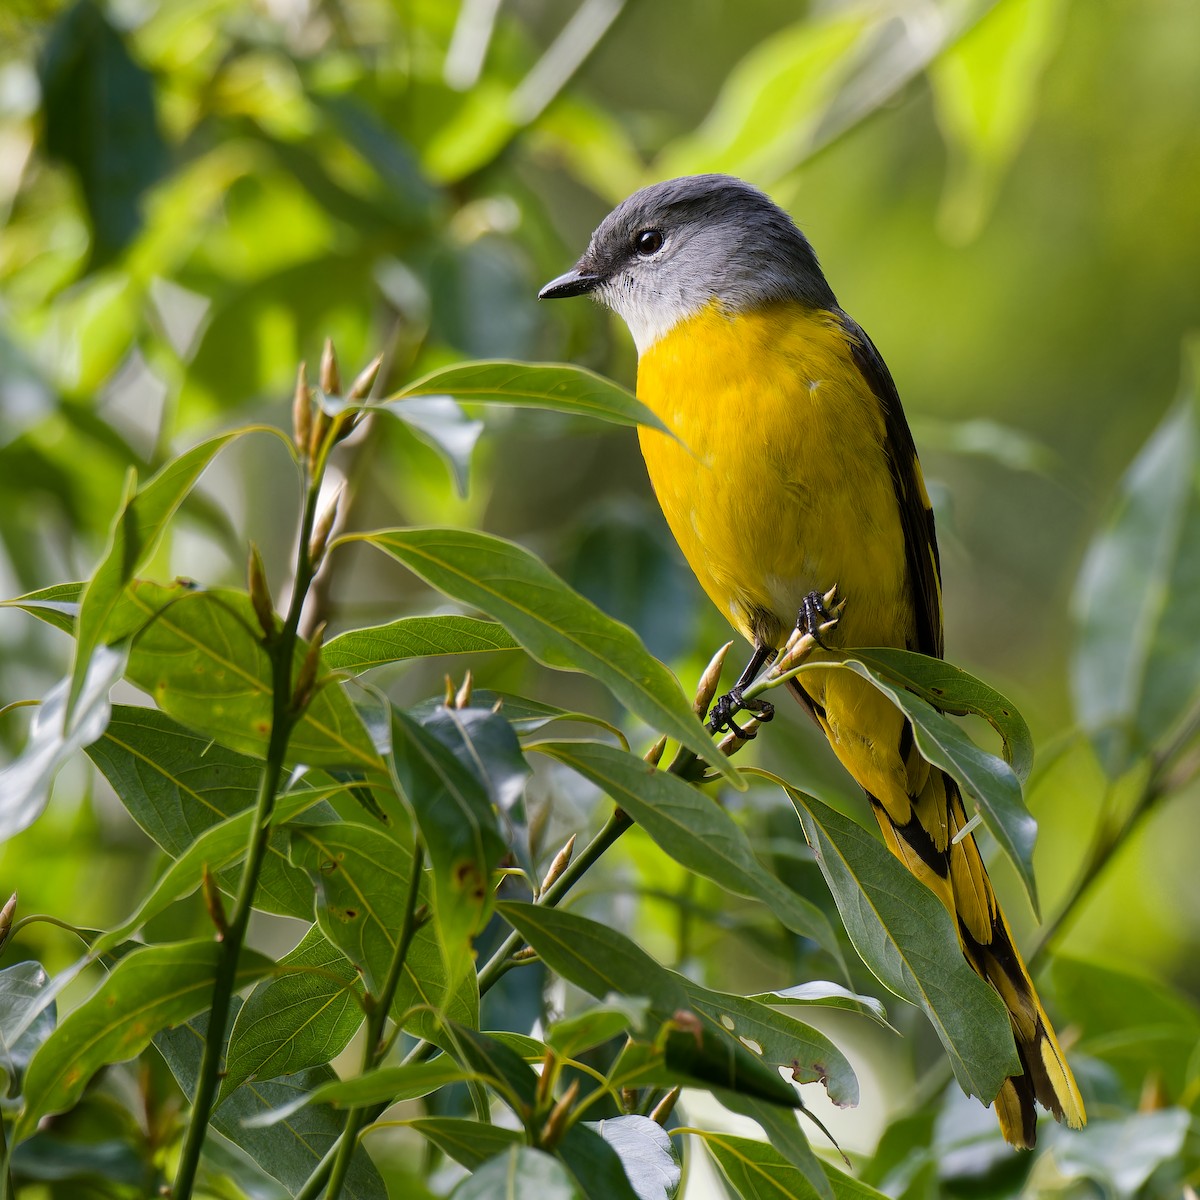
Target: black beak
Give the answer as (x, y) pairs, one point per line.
(574, 283)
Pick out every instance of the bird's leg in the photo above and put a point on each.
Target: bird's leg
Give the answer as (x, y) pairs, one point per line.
(812, 615)
(733, 701)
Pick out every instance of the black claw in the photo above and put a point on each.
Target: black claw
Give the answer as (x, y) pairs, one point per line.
(812, 615)
(728, 705)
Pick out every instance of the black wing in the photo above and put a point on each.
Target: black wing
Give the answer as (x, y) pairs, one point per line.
(916, 516)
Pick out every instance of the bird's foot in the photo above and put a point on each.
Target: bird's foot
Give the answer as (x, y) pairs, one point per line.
(729, 705)
(814, 617)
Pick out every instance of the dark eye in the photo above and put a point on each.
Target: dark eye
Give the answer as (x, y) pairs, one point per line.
(648, 242)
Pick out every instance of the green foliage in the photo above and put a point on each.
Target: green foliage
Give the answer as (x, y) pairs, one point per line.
(350, 930)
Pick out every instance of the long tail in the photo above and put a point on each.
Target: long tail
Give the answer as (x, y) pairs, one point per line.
(920, 811)
(987, 943)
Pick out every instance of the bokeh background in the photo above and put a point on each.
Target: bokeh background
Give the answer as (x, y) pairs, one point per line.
(195, 193)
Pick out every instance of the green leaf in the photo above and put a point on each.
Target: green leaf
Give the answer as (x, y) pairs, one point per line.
(597, 1167)
(135, 535)
(757, 1171)
(458, 824)
(1121, 1155)
(779, 1040)
(646, 1152)
(987, 780)
(470, 1143)
(179, 786)
(298, 1020)
(554, 623)
(289, 1149)
(362, 875)
(769, 110)
(556, 386)
(950, 689)
(57, 605)
(386, 1085)
(906, 937)
(201, 657)
(517, 1173)
(359, 650)
(596, 1025)
(984, 88)
(99, 118)
(1131, 1021)
(21, 988)
(1136, 668)
(602, 961)
(693, 829)
(441, 423)
(502, 1066)
(148, 990)
(824, 994)
(781, 1127)
(56, 736)
(217, 848)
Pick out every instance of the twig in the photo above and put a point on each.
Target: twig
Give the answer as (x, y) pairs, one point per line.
(375, 1047)
(281, 649)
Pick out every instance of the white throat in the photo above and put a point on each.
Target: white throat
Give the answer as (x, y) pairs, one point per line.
(649, 315)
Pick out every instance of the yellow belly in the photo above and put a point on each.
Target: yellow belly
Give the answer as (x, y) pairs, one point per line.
(779, 484)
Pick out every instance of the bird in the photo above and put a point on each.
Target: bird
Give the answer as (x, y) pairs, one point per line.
(789, 467)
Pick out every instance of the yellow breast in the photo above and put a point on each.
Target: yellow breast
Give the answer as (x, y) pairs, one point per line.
(779, 483)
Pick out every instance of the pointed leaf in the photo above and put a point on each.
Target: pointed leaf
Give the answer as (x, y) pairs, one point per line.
(362, 875)
(781, 1127)
(201, 657)
(518, 1172)
(950, 689)
(57, 605)
(557, 386)
(595, 1164)
(646, 1152)
(758, 1171)
(1136, 670)
(441, 423)
(134, 537)
(21, 988)
(297, 1020)
(693, 829)
(824, 994)
(56, 736)
(148, 990)
(359, 650)
(290, 1149)
(470, 1143)
(553, 622)
(601, 960)
(457, 822)
(906, 937)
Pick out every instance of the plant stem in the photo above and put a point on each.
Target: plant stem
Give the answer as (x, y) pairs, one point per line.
(282, 650)
(373, 1049)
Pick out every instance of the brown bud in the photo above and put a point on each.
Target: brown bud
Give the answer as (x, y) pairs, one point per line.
(448, 699)
(307, 678)
(331, 380)
(654, 755)
(706, 689)
(686, 1021)
(324, 527)
(629, 1099)
(561, 861)
(365, 379)
(213, 902)
(525, 954)
(321, 424)
(731, 743)
(302, 411)
(6, 919)
(663, 1109)
(462, 698)
(545, 1078)
(556, 1122)
(260, 593)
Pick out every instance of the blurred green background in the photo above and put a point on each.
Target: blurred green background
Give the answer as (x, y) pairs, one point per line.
(194, 193)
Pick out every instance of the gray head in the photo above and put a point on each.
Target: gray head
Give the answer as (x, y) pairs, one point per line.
(670, 249)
